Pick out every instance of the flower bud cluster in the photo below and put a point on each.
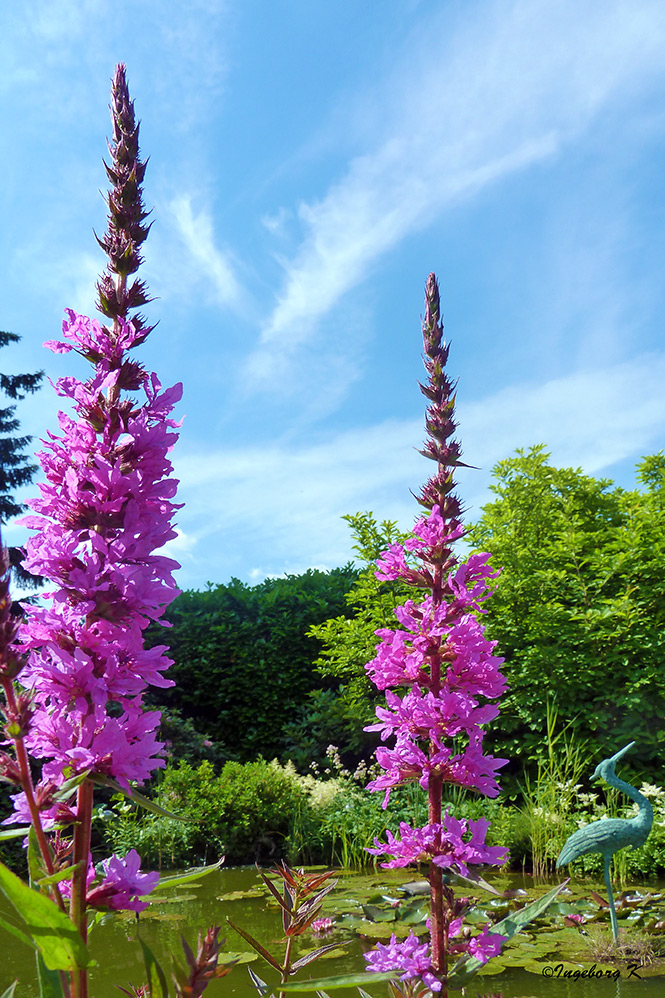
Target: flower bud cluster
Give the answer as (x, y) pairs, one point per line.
(126, 230)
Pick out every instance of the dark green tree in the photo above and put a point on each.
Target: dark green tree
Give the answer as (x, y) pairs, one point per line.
(579, 609)
(243, 658)
(16, 468)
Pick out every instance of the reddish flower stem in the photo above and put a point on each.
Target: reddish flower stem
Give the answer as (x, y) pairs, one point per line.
(438, 924)
(28, 788)
(78, 911)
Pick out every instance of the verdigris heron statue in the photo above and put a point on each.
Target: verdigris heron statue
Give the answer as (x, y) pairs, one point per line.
(610, 834)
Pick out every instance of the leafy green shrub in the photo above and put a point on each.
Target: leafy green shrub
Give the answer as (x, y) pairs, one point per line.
(244, 813)
(579, 608)
(265, 811)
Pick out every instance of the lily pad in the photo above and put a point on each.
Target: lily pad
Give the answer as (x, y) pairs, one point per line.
(414, 916)
(253, 892)
(173, 900)
(162, 916)
(383, 930)
(247, 956)
(416, 887)
(493, 967)
(375, 914)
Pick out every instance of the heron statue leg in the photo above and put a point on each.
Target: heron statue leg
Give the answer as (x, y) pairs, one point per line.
(608, 884)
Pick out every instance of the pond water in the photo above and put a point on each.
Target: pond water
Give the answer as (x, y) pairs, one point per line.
(187, 909)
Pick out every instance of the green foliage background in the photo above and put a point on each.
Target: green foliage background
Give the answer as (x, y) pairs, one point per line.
(578, 614)
(243, 660)
(579, 608)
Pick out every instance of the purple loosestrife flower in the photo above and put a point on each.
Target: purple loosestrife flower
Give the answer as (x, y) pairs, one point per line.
(104, 509)
(104, 514)
(441, 654)
(410, 956)
(119, 886)
(443, 844)
(486, 945)
(413, 957)
(123, 884)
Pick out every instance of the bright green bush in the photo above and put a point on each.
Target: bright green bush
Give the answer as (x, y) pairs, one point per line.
(244, 813)
(579, 608)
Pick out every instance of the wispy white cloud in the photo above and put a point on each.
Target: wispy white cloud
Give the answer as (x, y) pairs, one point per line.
(210, 264)
(283, 504)
(509, 87)
(592, 419)
(277, 221)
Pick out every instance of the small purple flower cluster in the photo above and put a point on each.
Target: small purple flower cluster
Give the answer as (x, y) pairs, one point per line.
(122, 884)
(441, 654)
(413, 957)
(442, 844)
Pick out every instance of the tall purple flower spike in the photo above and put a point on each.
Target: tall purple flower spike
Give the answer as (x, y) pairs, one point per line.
(440, 653)
(104, 513)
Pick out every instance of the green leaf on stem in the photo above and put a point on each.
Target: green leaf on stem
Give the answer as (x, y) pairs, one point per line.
(474, 880)
(70, 786)
(50, 982)
(268, 957)
(56, 878)
(468, 966)
(185, 878)
(36, 867)
(13, 930)
(260, 985)
(133, 794)
(15, 833)
(343, 981)
(314, 955)
(154, 973)
(53, 934)
(284, 902)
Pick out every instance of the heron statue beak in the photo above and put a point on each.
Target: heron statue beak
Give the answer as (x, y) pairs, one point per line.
(615, 758)
(608, 764)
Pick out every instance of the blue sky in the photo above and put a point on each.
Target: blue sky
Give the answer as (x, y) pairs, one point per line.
(311, 161)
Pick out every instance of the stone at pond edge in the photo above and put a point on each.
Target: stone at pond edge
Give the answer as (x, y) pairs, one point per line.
(416, 887)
